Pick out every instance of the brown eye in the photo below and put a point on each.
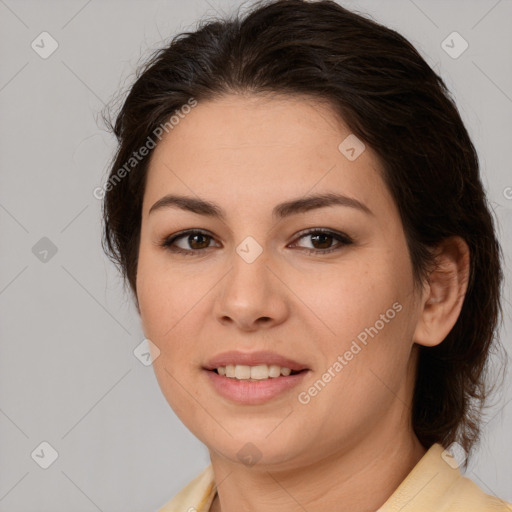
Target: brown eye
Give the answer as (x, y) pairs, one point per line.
(323, 241)
(188, 242)
(198, 241)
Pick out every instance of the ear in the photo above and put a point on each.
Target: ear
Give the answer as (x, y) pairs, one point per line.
(444, 292)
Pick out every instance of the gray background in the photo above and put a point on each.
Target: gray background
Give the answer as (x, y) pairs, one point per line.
(68, 375)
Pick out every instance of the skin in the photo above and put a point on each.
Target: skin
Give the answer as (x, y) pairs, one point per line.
(352, 444)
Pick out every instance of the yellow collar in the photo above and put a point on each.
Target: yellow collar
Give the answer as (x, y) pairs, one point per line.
(434, 484)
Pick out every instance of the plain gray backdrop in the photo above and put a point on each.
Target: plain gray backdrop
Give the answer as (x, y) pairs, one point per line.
(68, 375)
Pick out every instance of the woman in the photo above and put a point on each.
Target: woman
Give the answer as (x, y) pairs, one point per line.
(297, 208)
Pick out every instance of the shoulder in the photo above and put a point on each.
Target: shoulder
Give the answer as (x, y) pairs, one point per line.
(468, 496)
(196, 496)
(436, 483)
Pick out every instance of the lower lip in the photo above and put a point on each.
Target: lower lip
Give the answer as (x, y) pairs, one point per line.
(253, 392)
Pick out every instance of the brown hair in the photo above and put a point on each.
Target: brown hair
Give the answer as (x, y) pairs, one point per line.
(392, 100)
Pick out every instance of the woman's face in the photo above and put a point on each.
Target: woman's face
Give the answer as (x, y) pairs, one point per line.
(339, 302)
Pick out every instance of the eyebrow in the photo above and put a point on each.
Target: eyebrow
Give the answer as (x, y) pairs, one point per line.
(282, 210)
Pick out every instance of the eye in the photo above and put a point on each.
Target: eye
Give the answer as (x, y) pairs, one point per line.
(321, 240)
(194, 242)
(187, 242)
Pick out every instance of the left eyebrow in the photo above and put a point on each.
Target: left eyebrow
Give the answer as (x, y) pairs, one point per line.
(308, 203)
(282, 210)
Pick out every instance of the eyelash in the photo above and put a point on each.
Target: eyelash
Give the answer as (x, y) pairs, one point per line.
(343, 239)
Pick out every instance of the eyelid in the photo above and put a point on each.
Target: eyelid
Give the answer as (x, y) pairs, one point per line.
(167, 241)
(342, 238)
(326, 231)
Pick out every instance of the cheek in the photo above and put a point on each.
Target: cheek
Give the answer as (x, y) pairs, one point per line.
(353, 295)
(171, 300)
(164, 295)
(367, 309)
(163, 312)
(158, 312)
(155, 311)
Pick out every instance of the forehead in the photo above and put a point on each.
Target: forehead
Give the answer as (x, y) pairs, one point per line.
(233, 122)
(260, 147)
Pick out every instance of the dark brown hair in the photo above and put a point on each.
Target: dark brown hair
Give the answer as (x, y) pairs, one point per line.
(381, 87)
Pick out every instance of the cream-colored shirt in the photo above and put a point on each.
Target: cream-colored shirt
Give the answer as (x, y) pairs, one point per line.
(435, 484)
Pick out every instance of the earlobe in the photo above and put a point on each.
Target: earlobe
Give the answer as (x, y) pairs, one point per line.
(444, 294)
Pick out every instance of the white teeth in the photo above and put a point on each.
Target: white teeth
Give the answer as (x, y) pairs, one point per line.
(258, 372)
(274, 371)
(242, 372)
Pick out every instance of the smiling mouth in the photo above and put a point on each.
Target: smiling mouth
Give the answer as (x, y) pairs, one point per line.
(255, 373)
(256, 384)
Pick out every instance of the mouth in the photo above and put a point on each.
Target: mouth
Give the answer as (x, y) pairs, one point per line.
(253, 378)
(255, 365)
(256, 373)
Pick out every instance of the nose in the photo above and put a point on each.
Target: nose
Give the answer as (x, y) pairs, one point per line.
(251, 296)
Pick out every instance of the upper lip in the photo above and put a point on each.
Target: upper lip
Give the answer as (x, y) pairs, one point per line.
(253, 359)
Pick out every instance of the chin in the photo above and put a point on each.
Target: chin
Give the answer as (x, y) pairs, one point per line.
(259, 450)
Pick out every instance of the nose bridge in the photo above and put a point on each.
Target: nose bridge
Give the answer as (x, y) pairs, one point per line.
(249, 275)
(250, 291)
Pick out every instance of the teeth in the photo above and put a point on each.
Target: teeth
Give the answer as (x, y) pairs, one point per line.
(259, 372)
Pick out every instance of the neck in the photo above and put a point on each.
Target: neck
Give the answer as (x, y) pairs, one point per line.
(361, 478)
